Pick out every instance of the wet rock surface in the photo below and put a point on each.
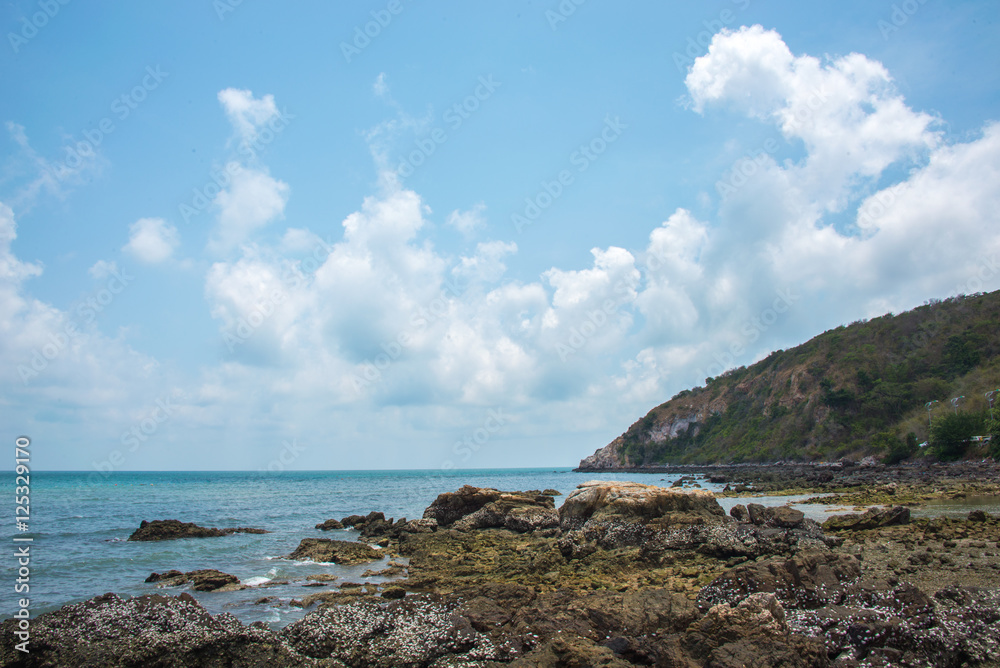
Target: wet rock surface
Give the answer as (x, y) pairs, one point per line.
(325, 550)
(870, 519)
(173, 529)
(626, 576)
(207, 579)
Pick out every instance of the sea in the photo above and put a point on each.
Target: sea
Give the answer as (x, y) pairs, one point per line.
(80, 522)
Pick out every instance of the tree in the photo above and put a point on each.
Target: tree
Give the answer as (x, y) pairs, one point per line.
(900, 450)
(950, 434)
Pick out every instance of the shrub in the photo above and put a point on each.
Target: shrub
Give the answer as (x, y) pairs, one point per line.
(900, 450)
(950, 434)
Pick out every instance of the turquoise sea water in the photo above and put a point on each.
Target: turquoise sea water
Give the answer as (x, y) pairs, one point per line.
(80, 523)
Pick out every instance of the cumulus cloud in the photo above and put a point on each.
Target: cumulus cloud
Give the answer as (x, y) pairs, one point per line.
(152, 240)
(847, 112)
(247, 113)
(252, 200)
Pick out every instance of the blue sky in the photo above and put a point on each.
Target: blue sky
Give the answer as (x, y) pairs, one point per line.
(249, 236)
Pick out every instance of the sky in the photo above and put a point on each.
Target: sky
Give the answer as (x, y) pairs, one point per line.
(386, 235)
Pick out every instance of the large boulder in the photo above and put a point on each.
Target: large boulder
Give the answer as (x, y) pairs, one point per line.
(207, 579)
(325, 550)
(452, 506)
(472, 508)
(172, 529)
(872, 518)
(633, 502)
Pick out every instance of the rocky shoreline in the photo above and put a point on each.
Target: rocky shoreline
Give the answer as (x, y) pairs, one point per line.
(620, 574)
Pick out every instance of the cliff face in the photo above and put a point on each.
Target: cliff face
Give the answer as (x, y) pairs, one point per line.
(850, 392)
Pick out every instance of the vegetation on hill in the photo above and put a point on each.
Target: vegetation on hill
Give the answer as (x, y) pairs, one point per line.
(853, 391)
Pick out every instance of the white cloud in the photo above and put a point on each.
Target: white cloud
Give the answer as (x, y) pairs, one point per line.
(247, 113)
(152, 240)
(253, 199)
(467, 222)
(487, 263)
(380, 87)
(846, 111)
(102, 269)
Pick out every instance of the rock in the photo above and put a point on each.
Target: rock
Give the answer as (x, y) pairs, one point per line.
(786, 517)
(329, 525)
(978, 516)
(634, 502)
(872, 518)
(759, 514)
(512, 512)
(472, 508)
(571, 651)
(393, 592)
(422, 525)
(352, 520)
(739, 513)
(753, 632)
(401, 632)
(322, 577)
(449, 507)
(207, 579)
(172, 529)
(211, 580)
(325, 550)
(152, 630)
(757, 614)
(807, 580)
(552, 492)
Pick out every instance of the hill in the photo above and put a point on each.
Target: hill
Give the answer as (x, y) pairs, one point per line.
(853, 391)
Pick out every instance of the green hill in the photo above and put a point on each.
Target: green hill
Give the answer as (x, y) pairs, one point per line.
(853, 391)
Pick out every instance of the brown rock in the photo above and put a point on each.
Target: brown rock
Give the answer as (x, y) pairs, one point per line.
(329, 525)
(786, 518)
(325, 550)
(634, 502)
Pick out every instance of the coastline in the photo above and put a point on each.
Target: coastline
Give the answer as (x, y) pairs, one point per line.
(532, 579)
